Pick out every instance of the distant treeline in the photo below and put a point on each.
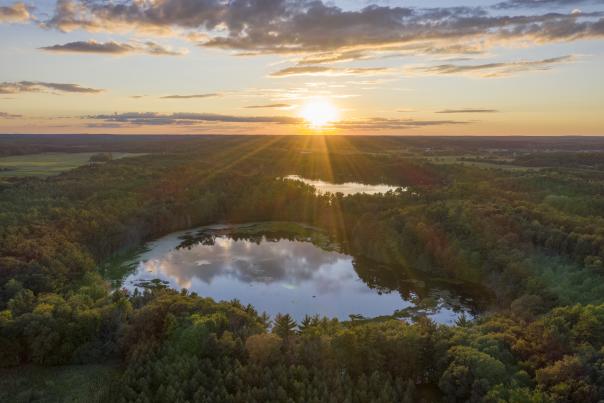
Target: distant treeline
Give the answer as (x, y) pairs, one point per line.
(17, 144)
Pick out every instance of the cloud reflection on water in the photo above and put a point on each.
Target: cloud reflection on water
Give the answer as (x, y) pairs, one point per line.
(275, 276)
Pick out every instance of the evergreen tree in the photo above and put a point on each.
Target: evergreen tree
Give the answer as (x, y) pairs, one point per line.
(285, 326)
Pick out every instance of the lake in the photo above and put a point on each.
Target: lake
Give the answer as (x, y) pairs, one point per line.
(280, 275)
(347, 188)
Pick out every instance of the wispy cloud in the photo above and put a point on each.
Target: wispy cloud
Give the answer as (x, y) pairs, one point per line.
(333, 57)
(108, 125)
(418, 48)
(385, 124)
(197, 119)
(494, 70)
(192, 96)
(266, 106)
(328, 71)
(114, 48)
(39, 86)
(543, 3)
(183, 118)
(5, 115)
(475, 110)
(17, 12)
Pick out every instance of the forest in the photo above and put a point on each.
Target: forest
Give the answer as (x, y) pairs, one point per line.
(533, 236)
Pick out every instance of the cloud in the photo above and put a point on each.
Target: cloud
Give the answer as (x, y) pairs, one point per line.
(412, 49)
(468, 111)
(510, 4)
(208, 95)
(18, 12)
(39, 86)
(494, 70)
(104, 125)
(196, 119)
(294, 26)
(5, 115)
(268, 106)
(156, 49)
(384, 124)
(327, 71)
(113, 48)
(153, 118)
(332, 57)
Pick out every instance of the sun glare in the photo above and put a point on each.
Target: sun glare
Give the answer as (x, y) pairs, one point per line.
(319, 113)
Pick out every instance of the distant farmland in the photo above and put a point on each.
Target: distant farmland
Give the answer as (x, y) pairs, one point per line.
(47, 164)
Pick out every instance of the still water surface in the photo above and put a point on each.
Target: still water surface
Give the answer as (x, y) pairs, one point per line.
(346, 189)
(285, 275)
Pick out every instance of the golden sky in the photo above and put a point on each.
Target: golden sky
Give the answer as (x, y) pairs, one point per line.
(504, 67)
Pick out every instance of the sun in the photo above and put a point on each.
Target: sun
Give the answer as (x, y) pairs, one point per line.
(319, 113)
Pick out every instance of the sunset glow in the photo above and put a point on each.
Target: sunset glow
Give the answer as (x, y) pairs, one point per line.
(455, 67)
(319, 113)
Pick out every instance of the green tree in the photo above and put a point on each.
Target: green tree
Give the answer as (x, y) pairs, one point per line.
(284, 326)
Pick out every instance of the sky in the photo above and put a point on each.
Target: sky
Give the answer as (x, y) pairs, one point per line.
(385, 67)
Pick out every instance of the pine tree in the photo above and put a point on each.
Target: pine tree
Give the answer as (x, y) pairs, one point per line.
(285, 326)
(308, 322)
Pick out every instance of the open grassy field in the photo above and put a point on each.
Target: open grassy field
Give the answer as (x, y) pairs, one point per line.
(72, 383)
(47, 163)
(458, 159)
